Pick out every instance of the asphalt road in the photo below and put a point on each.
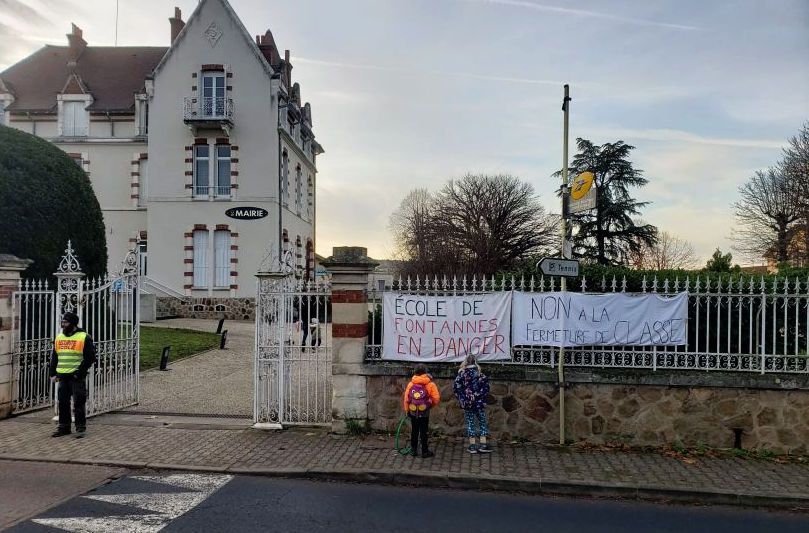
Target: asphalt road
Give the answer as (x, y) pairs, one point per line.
(27, 488)
(202, 502)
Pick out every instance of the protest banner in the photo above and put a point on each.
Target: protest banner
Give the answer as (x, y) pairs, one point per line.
(446, 328)
(573, 319)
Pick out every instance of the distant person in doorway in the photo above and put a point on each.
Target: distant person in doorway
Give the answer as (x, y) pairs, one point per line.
(74, 352)
(420, 396)
(310, 322)
(471, 387)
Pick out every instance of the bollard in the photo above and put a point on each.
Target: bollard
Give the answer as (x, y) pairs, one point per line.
(164, 358)
(224, 340)
(219, 326)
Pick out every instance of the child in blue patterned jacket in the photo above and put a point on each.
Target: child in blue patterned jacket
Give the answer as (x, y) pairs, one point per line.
(471, 387)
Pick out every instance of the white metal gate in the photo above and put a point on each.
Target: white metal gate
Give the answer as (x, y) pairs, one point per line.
(108, 309)
(293, 378)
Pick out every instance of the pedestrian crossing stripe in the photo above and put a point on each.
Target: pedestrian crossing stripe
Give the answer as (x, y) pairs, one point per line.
(162, 507)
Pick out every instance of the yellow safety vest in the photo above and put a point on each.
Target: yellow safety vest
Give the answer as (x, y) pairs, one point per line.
(69, 352)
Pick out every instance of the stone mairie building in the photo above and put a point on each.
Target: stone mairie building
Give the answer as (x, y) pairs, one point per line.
(173, 139)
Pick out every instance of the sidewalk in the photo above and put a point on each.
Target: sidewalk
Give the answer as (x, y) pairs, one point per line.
(142, 442)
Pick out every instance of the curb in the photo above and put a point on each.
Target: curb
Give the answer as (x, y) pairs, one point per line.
(466, 482)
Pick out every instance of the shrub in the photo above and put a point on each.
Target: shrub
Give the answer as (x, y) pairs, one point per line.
(46, 200)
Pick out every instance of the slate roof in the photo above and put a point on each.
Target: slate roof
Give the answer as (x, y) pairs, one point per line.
(111, 74)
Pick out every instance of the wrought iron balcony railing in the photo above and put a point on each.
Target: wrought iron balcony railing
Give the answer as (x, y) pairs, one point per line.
(207, 109)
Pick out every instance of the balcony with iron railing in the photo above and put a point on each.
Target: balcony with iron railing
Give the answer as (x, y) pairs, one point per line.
(208, 112)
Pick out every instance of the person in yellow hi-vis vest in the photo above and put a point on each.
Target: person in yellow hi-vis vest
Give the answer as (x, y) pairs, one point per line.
(73, 354)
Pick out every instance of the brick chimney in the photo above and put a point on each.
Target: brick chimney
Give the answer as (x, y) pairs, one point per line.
(266, 43)
(288, 70)
(76, 44)
(177, 23)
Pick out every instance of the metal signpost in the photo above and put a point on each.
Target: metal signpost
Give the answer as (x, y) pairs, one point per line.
(566, 253)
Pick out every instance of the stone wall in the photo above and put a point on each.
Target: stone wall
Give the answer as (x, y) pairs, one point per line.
(639, 408)
(228, 308)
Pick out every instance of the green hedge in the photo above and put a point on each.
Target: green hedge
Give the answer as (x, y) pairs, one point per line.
(594, 275)
(46, 200)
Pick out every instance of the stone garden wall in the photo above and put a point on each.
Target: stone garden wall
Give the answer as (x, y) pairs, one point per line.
(639, 408)
(228, 308)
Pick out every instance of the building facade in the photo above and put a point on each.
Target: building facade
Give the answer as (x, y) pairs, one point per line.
(202, 153)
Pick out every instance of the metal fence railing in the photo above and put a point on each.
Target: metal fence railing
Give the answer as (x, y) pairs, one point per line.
(742, 323)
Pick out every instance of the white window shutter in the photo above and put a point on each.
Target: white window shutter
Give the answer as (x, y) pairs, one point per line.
(200, 258)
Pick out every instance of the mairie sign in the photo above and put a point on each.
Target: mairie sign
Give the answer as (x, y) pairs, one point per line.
(246, 213)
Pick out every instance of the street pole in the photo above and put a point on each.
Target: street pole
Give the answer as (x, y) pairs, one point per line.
(565, 255)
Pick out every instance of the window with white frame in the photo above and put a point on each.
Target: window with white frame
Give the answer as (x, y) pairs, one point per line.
(212, 171)
(202, 169)
(285, 178)
(222, 170)
(221, 245)
(309, 197)
(2, 112)
(75, 120)
(142, 116)
(143, 181)
(298, 190)
(200, 258)
(213, 94)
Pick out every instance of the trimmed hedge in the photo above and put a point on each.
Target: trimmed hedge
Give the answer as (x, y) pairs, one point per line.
(46, 200)
(594, 274)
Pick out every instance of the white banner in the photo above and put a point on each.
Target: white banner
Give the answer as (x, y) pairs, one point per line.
(575, 319)
(446, 328)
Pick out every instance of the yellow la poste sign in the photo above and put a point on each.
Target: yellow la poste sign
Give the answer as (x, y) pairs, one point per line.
(581, 185)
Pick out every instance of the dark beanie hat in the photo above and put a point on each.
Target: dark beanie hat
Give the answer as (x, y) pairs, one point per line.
(73, 318)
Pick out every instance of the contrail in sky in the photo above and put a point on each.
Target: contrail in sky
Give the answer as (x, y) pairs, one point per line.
(423, 71)
(582, 13)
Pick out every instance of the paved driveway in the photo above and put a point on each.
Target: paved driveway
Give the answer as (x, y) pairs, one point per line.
(217, 382)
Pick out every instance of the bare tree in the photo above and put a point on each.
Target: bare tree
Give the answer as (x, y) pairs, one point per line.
(477, 224)
(411, 224)
(668, 253)
(767, 214)
(796, 167)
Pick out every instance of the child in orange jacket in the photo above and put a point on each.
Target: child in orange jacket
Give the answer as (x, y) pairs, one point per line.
(420, 396)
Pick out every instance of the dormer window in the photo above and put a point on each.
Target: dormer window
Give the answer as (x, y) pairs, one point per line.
(74, 117)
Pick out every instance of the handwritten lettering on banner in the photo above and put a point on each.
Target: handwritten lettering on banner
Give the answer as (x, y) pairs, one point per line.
(446, 328)
(574, 319)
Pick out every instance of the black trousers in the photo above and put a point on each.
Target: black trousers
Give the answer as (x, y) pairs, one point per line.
(68, 388)
(419, 427)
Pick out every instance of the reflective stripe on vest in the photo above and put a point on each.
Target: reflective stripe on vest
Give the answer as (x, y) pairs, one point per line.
(69, 352)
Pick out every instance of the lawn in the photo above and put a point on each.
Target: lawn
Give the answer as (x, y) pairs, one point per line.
(183, 342)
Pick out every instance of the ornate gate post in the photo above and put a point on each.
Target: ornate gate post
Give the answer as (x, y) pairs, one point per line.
(349, 267)
(69, 285)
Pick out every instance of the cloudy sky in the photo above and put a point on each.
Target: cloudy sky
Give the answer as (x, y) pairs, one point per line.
(409, 93)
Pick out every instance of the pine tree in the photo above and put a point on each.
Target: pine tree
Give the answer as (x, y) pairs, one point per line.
(609, 234)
